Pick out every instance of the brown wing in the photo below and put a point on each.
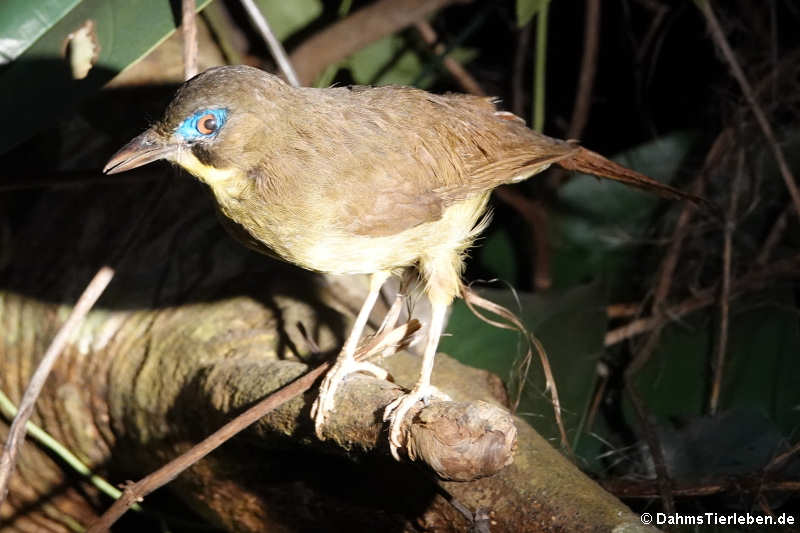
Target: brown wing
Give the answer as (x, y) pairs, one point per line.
(399, 156)
(410, 154)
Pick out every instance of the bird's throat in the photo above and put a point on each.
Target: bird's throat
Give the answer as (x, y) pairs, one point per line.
(212, 176)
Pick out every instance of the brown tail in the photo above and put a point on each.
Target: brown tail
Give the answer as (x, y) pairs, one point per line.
(583, 160)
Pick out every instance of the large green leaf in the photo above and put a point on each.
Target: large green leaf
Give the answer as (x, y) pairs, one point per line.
(285, 18)
(22, 22)
(38, 87)
(758, 416)
(571, 326)
(387, 61)
(496, 254)
(602, 223)
(761, 371)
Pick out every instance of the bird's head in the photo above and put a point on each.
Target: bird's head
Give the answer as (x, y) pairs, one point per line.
(213, 127)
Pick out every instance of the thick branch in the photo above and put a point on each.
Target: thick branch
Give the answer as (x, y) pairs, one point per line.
(353, 33)
(176, 373)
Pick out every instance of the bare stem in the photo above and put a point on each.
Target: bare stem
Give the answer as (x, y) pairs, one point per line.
(725, 290)
(540, 68)
(583, 98)
(722, 43)
(275, 46)
(189, 29)
(16, 434)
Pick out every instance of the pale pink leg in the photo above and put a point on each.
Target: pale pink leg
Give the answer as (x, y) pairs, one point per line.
(397, 410)
(346, 362)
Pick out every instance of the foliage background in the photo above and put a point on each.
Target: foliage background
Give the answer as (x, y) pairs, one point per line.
(662, 95)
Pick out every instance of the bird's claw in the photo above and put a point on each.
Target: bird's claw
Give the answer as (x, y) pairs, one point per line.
(396, 412)
(326, 400)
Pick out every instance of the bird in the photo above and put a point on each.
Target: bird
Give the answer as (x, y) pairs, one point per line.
(357, 180)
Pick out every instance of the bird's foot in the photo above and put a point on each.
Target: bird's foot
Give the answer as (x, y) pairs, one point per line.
(325, 402)
(396, 412)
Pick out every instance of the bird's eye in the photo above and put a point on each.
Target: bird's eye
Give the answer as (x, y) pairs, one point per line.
(207, 124)
(204, 124)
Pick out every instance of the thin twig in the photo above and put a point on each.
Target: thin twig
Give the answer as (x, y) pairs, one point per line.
(518, 75)
(670, 262)
(456, 69)
(136, 491)
(536, 217)
(603, 374)
(666, 275)
(725, 289)
(540, 68)
(583, 94)
(472, 299)
(275, 46)
(643, 355)
(774, 236)
(631, 488)
(750, 281)
(780, 459)
(773, 46)
(189, 30)
(663, 481)
(660, 12)
(764, 505)
(9, 410)
(583, 97)
(16, 434)
(682, 227)
(722, 43)
(623, 310)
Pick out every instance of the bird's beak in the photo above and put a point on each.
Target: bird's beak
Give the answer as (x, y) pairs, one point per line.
(145, 148)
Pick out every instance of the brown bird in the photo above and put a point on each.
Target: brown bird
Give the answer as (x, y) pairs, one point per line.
(356, 180)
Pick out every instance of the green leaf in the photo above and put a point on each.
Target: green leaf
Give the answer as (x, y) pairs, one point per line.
(603, 223)
(736, 442)
(761, 370)
(606, 199)
(37, 88)
(496, 254)
(526, 9)
(385, 62)
(571, 326)
(365, 64)
(464, 55)
(285, 18)
(22, 22)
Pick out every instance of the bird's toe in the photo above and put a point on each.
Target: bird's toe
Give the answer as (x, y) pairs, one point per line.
(326, 401)
(397, 411)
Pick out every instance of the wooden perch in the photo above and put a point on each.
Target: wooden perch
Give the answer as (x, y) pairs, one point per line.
(185, 341)
(480, 435)
(176, 374)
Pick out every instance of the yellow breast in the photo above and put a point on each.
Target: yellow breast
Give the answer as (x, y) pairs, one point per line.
(315, 244)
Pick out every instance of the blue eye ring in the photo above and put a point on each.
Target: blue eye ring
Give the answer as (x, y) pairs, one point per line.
(203, 124)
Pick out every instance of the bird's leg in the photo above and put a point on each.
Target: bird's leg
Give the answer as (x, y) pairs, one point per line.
(346, 362)
(390, 320)
(397, 410)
